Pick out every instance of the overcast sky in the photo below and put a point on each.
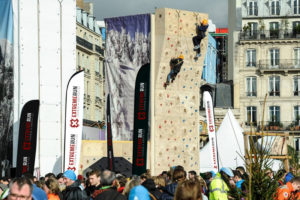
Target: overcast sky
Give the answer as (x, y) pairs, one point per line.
(216, 9)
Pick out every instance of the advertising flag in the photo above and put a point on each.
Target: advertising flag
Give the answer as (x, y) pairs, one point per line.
(27, 138)
(141, 119)
(110, 152)
(74, 121)
(209, 110)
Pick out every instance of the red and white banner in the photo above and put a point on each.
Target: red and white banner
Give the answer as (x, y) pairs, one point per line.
(73, 121)
(211, 129)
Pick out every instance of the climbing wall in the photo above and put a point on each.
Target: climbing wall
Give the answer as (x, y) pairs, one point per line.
(176, 108)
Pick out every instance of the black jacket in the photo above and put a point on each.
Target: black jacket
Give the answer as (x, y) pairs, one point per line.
(74, 192)
(176, 63)
(110, 194)
(150, 186)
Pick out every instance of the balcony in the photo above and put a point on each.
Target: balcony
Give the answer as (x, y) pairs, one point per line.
(277, 65)
(99, 50)
(269, 34)
(84, 43)
(274, 126)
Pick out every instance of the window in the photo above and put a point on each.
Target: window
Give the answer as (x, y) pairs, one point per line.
(274, 29)
(251, 58)
(275, 7)
(297, 115)
(296, 6)
(296, 85)
(251, 115)
(251, 86)
(84, 36)
(297, 57)
(97, 90)
(296, 28)
(83, 62)
(274, 58)
(87, 64)
(97, 67)
(253, 28)
(78, 60)
(252, 8)
(274, 114)
(274, 86)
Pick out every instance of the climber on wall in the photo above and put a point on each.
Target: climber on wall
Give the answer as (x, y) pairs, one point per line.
(201, 29)
(175, 66)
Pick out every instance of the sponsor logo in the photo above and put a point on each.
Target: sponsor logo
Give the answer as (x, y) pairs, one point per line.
(74, 122)
(28, 132)
(72, 150)
(140, 149)
(141, 115)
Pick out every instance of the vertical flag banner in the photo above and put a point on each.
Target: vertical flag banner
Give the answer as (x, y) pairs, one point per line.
(209, 110)
(127, 50)
(27, 138)
(141, 119)
(6, 86)
(110, 151)
(74, 121)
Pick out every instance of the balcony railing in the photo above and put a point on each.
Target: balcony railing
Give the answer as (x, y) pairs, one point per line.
(276, 64)
(275, 125)
(251, 94)
(84, 43)
(99, 49)
(274, 93)
(269, 34)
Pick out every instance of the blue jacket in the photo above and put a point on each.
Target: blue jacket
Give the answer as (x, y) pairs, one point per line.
(169, 192)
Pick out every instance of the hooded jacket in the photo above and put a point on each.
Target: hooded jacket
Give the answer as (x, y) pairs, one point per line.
(74, 192)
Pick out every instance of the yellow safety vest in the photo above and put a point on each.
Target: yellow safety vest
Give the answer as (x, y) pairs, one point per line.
(218, 189)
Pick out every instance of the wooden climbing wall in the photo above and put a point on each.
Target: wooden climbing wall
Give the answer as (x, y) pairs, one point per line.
(176, 108)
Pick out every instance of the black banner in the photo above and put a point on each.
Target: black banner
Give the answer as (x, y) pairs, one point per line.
(110, 151)
(27, 138)
(141, 118)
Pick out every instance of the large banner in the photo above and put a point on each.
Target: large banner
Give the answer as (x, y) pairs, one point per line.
(27, 138)
(127, 50)
(74, 122)
(209, 110)
(6, 86)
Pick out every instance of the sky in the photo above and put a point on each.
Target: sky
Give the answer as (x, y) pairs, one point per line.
(216, 9)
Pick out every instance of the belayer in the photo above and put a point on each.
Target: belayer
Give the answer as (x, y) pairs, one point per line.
(175, 66)
(201, 29)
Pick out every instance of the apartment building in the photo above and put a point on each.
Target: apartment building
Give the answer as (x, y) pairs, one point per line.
(267, 63)
(90, 57)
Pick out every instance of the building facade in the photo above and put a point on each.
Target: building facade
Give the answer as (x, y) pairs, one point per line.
(267, 63)
(90, 58)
